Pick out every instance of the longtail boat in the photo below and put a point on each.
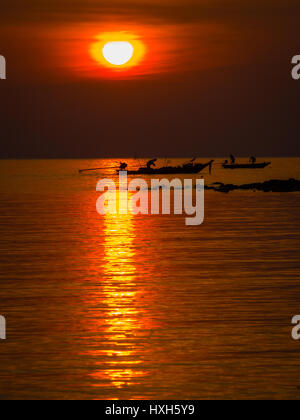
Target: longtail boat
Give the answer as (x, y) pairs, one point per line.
(189, 168)
(246, 165)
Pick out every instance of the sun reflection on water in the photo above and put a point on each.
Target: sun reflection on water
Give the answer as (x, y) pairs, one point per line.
(125, 324)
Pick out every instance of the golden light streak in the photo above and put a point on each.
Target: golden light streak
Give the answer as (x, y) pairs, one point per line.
(124, 321)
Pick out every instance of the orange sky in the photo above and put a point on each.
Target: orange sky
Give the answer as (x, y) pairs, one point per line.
(63, 50)
(54, 36)
(215, 73)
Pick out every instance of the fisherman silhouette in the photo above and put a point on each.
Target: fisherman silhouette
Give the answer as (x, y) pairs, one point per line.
(123, 166)
(190, 164)
(232, 159)
(252, 160)
(151, 163)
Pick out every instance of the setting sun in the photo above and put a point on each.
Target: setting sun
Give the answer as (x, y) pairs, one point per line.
(117, 50)
(118, 53)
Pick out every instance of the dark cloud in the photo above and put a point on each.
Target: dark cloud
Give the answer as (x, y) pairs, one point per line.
(176, 11)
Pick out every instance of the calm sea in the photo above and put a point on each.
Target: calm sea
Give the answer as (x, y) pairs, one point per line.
(144, 307)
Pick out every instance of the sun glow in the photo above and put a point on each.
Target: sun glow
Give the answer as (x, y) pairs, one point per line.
(117, 50)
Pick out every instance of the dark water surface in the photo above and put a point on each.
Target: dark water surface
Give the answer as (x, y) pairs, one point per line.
(138, 307)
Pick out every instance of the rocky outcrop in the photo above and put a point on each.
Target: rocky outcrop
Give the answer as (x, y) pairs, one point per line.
(274, 185)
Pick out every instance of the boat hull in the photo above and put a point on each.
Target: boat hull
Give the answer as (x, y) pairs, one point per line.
(247, 165)
(171, 170)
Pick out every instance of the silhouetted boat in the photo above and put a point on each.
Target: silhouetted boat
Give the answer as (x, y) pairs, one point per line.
(246, 165)
(189, 168)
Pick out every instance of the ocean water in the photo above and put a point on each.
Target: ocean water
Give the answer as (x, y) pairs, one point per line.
(144, 307)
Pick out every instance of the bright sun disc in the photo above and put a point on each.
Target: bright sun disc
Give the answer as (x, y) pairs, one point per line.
(118, 53)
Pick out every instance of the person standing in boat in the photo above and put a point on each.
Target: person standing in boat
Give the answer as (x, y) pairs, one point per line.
(252, 160)
(123, 166)
(189, 164)
(151, 163)
(232, 160)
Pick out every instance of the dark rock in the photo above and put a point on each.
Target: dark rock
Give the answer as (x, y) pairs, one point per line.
(274, 185)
